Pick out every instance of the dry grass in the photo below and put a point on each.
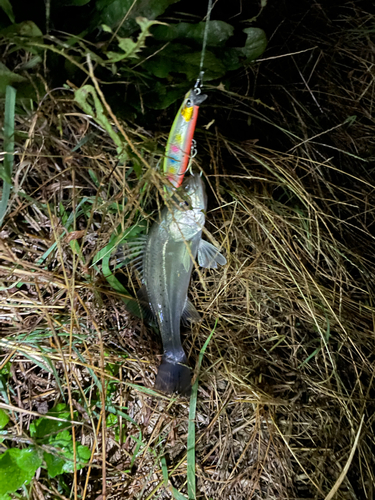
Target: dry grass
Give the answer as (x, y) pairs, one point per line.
(287, 380)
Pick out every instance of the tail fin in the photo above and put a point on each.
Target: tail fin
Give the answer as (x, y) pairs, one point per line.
(173, 377)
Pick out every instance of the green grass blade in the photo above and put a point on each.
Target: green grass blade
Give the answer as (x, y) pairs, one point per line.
(146, 390)
(192, 491)
(327, 336)
(112, 280)
(164, 469)
(10, 102)
(177, 495)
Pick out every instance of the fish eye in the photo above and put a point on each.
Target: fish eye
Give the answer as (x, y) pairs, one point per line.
(184, 204)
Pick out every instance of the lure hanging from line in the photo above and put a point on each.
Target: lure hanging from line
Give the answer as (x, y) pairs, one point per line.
(180, 146)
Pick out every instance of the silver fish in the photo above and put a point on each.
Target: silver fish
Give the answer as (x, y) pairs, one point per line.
(165, 262)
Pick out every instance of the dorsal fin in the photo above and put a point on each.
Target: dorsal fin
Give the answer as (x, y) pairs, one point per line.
(131, 253)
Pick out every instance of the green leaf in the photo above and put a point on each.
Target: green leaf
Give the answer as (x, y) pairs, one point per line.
(111, 420)
(10, 102)
(127, 45)
(63, 459)
(113, 12)
(130, 48)
(5, 369)
(8, 9)
(44, 428)
(4, 418)
(56, 434)
(25, 36)
(177, 494)
(235, 57)
(218, 32)
(213, 67)
(94, 177)
(255, 44)
(82, 97)
(74, 3)
(3, 389)
(83, 455)
(179, 58)
(161, 96)
(17, 467)
(232, 58)
(76, 249)
(7, 77)
(25, 29)
(54, 463)
(63, 215)
(144, 390)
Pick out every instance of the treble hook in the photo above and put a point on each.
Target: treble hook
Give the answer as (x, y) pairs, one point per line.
(193, 153)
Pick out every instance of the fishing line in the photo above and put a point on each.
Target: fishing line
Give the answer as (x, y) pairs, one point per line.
(204, 44)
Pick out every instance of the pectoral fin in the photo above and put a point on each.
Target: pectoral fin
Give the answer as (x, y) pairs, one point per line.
(190, 314)
(186, 259)
(209, 256)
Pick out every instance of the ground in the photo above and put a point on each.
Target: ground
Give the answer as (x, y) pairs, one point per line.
(285, 406)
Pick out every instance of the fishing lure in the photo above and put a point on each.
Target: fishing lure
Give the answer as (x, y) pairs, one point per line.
(181, 145)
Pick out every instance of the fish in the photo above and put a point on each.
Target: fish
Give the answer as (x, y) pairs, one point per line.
(180, 140)
(165, 259)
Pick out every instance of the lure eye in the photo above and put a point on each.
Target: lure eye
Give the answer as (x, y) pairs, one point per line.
(184, 204)
(189, 103)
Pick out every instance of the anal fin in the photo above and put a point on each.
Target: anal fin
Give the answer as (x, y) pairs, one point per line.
(190, 314)
(141, 307)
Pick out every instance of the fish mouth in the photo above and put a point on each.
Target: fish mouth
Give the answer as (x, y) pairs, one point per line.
(198, 99)
(194, 188)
